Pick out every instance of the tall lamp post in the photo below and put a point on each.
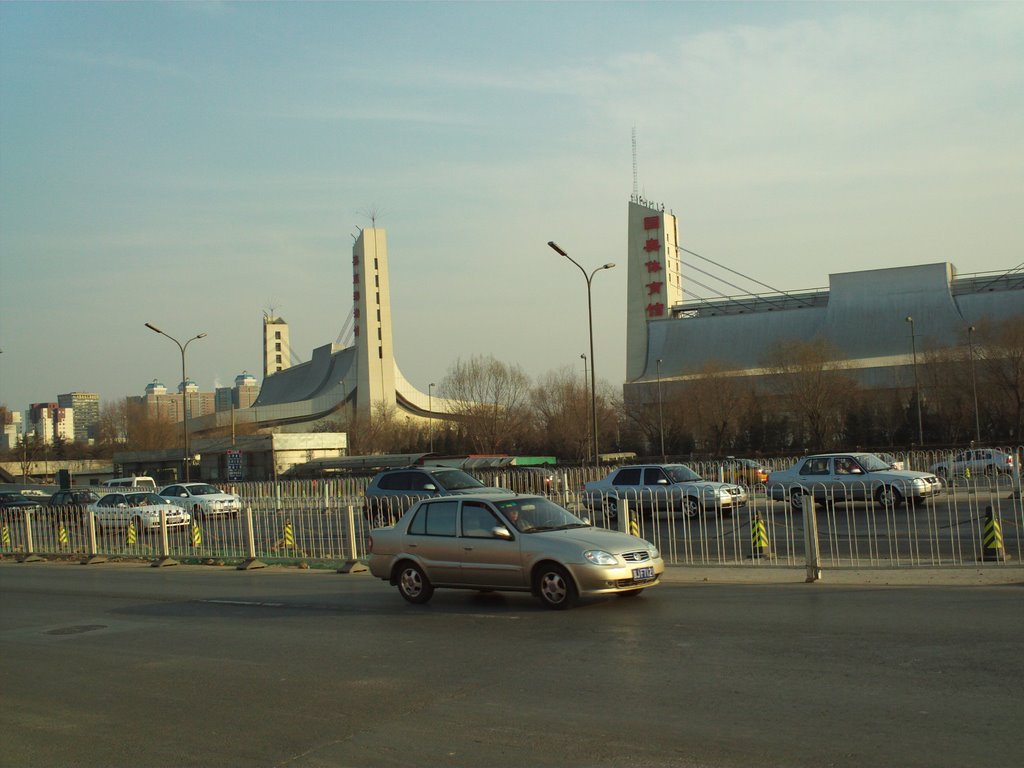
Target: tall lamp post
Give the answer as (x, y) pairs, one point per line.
(974, 383)
(590, 322)
(661, 415)
(917, 385)
(430, 408)
(586, 392)
(184, 393)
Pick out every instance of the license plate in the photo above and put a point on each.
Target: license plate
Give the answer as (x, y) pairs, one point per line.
(642, 574)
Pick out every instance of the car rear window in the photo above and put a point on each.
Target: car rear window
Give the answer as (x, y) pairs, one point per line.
(435, 519)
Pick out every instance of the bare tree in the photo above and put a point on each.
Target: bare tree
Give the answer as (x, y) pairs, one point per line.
(490, 399)
(562, 406)
(716, 401)
(810, 377)
(146, 431)
(1000, 352)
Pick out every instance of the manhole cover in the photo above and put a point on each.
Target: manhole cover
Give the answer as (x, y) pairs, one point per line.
(76, 630)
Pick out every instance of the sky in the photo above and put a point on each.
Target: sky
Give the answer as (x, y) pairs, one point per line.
(193, 165)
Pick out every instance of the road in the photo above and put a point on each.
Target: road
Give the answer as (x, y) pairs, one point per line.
(126, 665)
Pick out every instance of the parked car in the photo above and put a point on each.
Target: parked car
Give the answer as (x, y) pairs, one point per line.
(15, 502)
(70, 504)
(831, 477)
(391, 492)
(663, 486)
(744, 471)
(138, 482)
(120, 509)
(202, 500)
(980, 461)
(509, 542)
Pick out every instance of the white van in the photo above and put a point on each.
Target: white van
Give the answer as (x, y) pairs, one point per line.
(142, 483)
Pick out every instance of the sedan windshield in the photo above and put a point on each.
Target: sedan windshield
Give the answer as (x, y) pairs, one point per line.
(202, 490)
(457, 480)
(143, 499)
(530, 514)
(872, 463)
(680, 473)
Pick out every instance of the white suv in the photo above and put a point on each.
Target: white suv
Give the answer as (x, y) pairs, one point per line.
(202, 499)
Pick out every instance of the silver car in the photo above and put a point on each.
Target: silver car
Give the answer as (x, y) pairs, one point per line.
(830, 477)
(656, 487)
(143, 508)
(202, 500)
(509, 542)
(974, 461)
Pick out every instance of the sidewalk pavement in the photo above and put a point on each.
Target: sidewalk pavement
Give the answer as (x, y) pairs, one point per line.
(991, 574)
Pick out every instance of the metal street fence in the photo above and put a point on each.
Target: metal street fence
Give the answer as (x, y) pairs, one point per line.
(977, 520)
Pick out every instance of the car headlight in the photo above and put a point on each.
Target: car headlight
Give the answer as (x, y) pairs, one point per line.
(600, 557)
(653, 551)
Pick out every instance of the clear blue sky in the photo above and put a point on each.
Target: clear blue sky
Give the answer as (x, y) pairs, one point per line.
(192, 164)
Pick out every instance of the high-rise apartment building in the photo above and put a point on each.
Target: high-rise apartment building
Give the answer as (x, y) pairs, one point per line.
(51, 423)
(86, 406)
(242, 395)
(159, 404)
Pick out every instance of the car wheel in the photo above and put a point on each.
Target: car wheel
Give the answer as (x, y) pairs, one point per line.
(941, 472)
(197, 512)
(139, 530)
(887, 496)
(991, 471)
(555, 587)
(413, 584)
(797, 499)
(692, 506)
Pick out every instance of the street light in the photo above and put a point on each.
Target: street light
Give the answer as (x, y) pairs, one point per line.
(586, 386)
(184, 393)
(661, 415)
(590, 321)
(917, 386)
(430, 410)
(974, 383)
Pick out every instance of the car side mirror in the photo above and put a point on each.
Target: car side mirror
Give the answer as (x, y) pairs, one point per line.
(856, 471)
(501, 532)
(662, 481)
(430, 487)
(183, 495)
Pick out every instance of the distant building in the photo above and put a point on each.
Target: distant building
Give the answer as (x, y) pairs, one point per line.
(11, 429)
(51, 423)
(86, 406)
(242, 395)
(670, 340)
(277, 353)
(169, 407)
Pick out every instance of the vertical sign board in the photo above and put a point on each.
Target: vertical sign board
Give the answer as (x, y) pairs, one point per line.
(234, 465)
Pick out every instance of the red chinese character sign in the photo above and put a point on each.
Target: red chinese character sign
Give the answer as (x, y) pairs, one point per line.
(654, 266)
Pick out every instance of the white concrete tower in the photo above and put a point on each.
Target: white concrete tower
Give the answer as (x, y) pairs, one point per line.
(277, 354)
(654, 281)
(371, 298)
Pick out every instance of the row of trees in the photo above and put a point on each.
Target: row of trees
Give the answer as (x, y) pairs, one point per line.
(808, 399)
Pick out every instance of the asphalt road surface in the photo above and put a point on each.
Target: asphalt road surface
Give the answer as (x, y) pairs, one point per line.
(127, 665)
